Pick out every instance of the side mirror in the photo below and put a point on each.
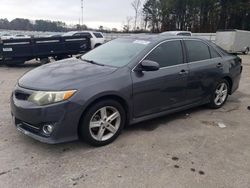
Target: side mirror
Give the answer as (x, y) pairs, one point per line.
(147, 65)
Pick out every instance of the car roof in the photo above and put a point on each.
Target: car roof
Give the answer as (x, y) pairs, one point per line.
(175, 32)
(84, 31)
(159, 38)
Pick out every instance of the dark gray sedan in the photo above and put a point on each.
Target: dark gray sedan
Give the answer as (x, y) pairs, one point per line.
(125, 81)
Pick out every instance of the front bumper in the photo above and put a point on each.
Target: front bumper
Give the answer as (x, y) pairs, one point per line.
(30, 118)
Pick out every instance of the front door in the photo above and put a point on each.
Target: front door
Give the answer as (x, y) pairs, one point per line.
(161, 90)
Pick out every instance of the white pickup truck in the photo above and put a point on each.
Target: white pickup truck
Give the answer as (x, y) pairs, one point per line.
(96, 38)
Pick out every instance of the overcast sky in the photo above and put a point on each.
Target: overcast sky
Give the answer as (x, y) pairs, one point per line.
(108, 13)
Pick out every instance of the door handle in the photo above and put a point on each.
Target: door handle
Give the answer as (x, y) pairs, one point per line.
(219, 65)
(183, 72)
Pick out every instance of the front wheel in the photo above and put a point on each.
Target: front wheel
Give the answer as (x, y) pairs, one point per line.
(102, 123)
(220, 94)
(97, 45)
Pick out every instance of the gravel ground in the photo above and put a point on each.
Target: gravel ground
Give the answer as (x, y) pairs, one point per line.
(187, 149)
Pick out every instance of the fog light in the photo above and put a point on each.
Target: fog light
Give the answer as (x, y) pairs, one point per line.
(48, 129)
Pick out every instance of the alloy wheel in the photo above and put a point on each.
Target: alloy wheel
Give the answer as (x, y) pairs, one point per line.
(105, 123)
(221, 94)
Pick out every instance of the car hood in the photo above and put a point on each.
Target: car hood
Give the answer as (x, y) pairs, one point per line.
(62, 75)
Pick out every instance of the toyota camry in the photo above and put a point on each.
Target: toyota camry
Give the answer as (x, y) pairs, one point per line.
(120, 83)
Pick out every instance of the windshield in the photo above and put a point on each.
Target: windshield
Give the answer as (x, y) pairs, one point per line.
(116, 53)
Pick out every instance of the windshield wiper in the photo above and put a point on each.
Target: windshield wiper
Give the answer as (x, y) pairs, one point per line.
(92, 62)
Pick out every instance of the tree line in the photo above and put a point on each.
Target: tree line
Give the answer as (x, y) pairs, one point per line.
(196, 15)
(45, 25)
(37, 25)
(161, 15)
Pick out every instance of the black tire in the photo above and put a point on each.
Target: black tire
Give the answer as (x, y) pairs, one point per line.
(212, 103)
(44, 61)
(84, 127)
(97, 45)
(58, 58)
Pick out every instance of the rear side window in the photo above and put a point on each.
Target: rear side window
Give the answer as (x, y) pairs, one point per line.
(214, 54)
(98, 35)
(197, 50)
(167, 54)
(222, 51)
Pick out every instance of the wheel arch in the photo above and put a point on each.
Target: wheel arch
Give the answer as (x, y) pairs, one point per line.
(111, 96)
(97, 44)
(230, 82)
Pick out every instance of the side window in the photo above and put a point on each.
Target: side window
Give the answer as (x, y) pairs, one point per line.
(82, 34)
(77, 34)
(167, 54)
(98, 35)
(197, 51)
(214, 54)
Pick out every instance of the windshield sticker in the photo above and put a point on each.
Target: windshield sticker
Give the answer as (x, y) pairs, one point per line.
(144, 42)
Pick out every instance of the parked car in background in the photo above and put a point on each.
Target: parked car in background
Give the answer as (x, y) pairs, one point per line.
(96, 38)
(124, 81)
(20, 36)
(6, 37)
(234, 41)
(177, 33)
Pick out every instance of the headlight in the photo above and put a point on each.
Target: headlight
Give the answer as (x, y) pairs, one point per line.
(44, 98)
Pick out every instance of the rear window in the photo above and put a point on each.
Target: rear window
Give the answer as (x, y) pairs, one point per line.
(184, 34)
(197, 50)
(98, 35)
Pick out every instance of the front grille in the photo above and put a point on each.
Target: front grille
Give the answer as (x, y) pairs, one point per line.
(21, 96)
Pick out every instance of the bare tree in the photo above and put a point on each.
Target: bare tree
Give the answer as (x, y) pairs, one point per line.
(126, 27)
(136, 4)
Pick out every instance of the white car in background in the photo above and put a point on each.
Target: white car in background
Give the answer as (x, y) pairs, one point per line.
(177, 33)
(20, 36)
(96, 37)
(6, 37)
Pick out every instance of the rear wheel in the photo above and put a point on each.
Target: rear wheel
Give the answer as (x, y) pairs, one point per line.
(220, 94)
(102, 123)
(44, 61)
(61, 57)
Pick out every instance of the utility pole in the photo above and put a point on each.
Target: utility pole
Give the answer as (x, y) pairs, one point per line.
(82, 10)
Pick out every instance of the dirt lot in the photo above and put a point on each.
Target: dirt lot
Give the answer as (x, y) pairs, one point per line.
(187, 149)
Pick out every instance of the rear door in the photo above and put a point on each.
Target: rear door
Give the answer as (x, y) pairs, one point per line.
(206, 68)
(161, 90)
